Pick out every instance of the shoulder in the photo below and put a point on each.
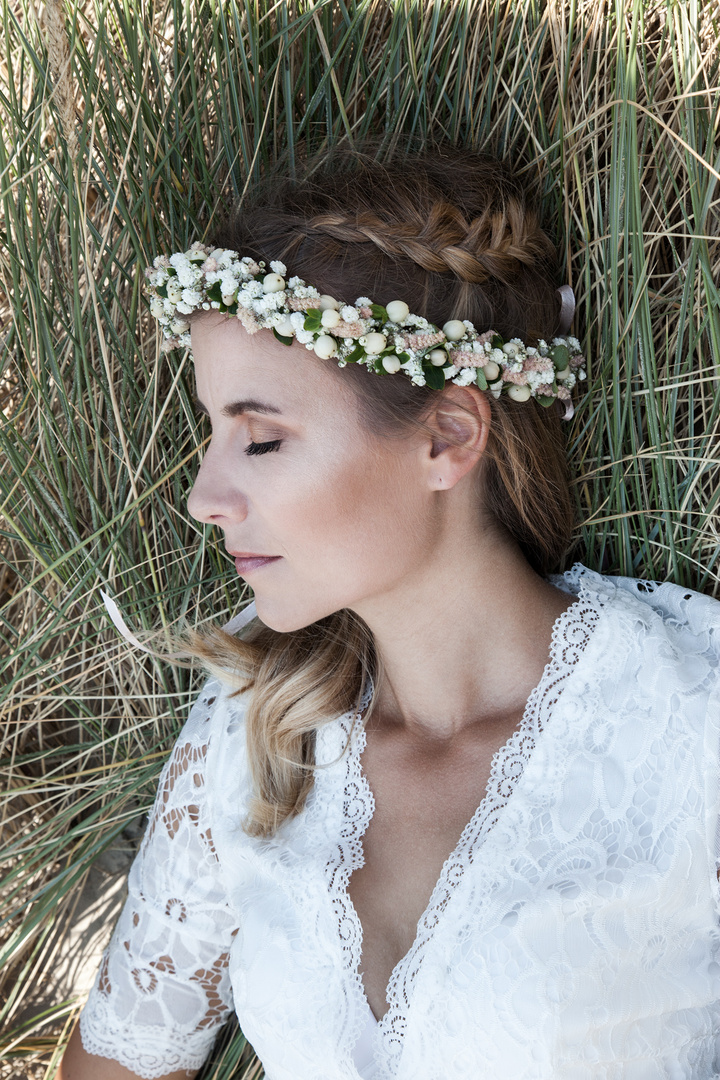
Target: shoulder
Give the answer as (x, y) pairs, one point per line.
(670, 634)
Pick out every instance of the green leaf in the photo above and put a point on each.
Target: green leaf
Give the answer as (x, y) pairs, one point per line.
(313, 320)
(215, 292)
(481, 380)
(379, 312)
(545, 401)
(497, 342)
(434, 376)
(281, 337)
(560, 357)
(357, 354)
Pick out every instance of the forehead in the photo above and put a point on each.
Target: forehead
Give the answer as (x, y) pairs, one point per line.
(232, 365)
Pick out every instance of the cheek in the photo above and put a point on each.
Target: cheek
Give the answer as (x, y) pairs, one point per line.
(364, 511)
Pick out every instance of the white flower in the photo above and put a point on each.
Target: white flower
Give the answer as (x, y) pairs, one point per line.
(498, 356)
(349, 314)
(363, 301)
(466, 377)
(305, 337)
(187, 276)
(192, 297)
(179, 260)
(298, 320)
(278, 268)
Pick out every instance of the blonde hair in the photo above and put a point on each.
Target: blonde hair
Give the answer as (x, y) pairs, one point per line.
(455, 235)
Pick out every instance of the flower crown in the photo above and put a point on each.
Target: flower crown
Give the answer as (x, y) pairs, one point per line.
(387, 340)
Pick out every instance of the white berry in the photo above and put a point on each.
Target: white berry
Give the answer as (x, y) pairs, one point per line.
(325, 303)
(510, 348)
(397, 310)
(325, 346)
(285, 329)
(330, 317)
(561, 376)
(438, 357)
(391, 364)
(519, 393)
(273, 283)
(491, 371)
(374, 343)
(454, 330)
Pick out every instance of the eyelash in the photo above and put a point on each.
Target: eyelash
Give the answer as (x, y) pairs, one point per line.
(262, 447)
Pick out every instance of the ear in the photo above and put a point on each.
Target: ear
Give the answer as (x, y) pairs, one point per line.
(461, 420)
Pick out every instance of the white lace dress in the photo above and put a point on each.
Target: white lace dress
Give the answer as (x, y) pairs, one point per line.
(573, 932)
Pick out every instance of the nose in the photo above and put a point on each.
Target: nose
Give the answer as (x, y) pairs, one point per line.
(214, 498)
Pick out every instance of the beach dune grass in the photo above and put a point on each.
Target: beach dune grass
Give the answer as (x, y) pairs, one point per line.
(127, 126)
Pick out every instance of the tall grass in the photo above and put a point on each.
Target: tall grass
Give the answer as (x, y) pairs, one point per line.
(127, 125)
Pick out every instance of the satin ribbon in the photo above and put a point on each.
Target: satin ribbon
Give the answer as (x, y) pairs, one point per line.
(232, 627)
(567, 308)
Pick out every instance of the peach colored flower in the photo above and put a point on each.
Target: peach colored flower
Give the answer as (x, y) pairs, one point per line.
(301, 303)
(539, 363)
(517, 377)
(463, 359)
(344, 329)
(421, 341)
(247, 318)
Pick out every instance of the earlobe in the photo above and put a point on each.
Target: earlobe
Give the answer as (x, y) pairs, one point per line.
(462, 424)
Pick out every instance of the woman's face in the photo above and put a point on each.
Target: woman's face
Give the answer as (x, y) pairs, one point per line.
(320, 513)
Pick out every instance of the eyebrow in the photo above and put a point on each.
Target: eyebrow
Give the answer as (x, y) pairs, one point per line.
(237, 408)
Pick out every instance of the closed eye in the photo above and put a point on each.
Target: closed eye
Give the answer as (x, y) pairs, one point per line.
(262, 447)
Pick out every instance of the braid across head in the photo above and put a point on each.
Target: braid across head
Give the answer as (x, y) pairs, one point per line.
(493, 245)
(453, 233)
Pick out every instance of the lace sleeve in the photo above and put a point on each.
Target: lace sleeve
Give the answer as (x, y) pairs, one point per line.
(163, 990)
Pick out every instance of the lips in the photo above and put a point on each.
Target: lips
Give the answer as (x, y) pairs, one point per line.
(247, 562)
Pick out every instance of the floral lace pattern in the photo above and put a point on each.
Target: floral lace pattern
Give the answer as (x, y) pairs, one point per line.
(573, 933)
(172, 998)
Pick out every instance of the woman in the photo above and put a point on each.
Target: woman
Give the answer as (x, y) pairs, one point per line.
(460, 819)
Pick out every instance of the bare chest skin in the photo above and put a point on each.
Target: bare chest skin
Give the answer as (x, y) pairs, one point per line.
(425, 795)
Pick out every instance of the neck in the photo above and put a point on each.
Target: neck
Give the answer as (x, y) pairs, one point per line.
(465, 645)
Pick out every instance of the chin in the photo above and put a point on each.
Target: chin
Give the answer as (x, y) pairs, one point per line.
(286, 618)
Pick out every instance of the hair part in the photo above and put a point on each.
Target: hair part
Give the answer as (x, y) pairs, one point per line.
(455, 235)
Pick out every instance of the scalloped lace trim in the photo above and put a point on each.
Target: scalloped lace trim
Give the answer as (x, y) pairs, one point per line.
(103, 1036)
(571, 634)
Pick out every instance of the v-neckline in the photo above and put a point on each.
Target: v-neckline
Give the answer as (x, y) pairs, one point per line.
(520, 745)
